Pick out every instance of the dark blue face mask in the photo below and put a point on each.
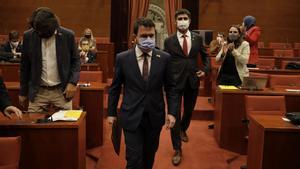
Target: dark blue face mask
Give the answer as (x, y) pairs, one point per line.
(146, 44)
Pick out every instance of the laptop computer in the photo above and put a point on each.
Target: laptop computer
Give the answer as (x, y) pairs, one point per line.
(254, 83)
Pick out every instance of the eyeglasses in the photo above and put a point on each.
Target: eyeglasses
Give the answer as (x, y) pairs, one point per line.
(182, 18)
(233, 32)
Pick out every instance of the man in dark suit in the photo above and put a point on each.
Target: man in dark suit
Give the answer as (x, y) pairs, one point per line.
(50, 63)
(5, 104)
(143, 73)
(184, 47)
(11, 50)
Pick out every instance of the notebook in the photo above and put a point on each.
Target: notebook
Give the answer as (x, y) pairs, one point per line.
(254, 83)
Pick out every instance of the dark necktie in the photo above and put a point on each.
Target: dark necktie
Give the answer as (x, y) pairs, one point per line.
(184, 45)
(145, 67)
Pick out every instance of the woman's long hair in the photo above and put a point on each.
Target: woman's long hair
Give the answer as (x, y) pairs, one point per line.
(239, 41)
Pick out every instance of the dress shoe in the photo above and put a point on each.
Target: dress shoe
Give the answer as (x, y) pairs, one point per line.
(244, 166)
(211, 126)
(184, 136)
(176, 159)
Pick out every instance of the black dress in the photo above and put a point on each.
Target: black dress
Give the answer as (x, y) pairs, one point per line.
(228, 74)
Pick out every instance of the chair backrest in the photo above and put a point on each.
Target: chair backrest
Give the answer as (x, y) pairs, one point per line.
(296, 45)
(280, 45)
(10, 150)
(91, 76)
(283, 53)
(264, 63)
(261, 44)
(265, 104)
(76, 100)
(285, 62)
(284, 80)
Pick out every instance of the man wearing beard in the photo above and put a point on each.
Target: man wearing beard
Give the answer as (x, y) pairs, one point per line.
(50, 64)
(233, 56)
(185, 47)
(143, 73)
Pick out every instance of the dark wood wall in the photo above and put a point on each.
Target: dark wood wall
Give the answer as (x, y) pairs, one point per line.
(73, 14)
(279, 19)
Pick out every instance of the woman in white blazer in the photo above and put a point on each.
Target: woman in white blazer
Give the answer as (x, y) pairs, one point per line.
(234, 56)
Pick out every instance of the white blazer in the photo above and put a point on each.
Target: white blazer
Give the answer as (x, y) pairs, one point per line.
(241, 55)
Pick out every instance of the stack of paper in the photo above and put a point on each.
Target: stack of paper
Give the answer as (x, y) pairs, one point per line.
(66, 115)
(228, 87)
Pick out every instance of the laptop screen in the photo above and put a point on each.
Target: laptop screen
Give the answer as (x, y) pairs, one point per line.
(254, 83)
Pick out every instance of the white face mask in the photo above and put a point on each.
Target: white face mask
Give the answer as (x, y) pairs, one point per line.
(219, 39)
(15, 44)
(183, 24)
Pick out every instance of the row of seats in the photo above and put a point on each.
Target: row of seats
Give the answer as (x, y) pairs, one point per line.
(269, 63)
(279, 45)
(279, 80)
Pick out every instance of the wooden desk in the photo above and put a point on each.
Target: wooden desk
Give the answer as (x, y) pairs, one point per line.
(91, 99)
(10, 71)
(273, 143)
(55, 145)
(230, 110)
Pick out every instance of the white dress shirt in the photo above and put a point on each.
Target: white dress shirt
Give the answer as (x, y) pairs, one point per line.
(188, 40)
(140, 59)
(50, 76)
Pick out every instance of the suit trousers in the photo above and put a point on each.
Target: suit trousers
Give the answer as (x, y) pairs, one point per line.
(182, 123)
(141, 145)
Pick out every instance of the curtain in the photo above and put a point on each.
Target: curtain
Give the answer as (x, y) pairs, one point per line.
(170, 7)
(137, 8)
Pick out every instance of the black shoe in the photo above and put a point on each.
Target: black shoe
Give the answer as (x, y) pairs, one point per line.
(184, 136)
(244, 166)
(176, 159)
(211, 126)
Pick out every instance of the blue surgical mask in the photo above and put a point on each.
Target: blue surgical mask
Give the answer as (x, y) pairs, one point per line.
(146, 44)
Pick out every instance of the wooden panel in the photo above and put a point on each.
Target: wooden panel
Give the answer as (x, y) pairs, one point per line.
(59, 145)
(272, 143)
(277, 18)
(73, 14)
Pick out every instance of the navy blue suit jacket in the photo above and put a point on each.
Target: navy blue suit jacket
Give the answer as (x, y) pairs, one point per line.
(68, 61)
(140, 96)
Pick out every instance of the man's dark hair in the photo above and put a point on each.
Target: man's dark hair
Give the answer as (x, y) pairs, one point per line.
(181, 12)
(43, 17)
(13, 35)
(146, 22)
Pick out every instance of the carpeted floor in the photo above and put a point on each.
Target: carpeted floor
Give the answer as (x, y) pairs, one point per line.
(201, 152)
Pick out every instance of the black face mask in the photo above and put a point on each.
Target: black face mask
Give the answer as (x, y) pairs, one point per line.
(88, 36)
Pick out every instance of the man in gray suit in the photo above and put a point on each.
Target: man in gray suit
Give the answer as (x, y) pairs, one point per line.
(50, 64)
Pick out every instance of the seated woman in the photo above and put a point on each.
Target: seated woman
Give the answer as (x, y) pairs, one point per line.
(216, 45)
(86, 54)
(88, 34)
(11, 50)
(234, 56)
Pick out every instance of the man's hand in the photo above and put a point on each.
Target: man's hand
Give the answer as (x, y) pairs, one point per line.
(200, 74)
(111, 119)
(70, 91)
(170, 121)
(12, 109)
(22, 101)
